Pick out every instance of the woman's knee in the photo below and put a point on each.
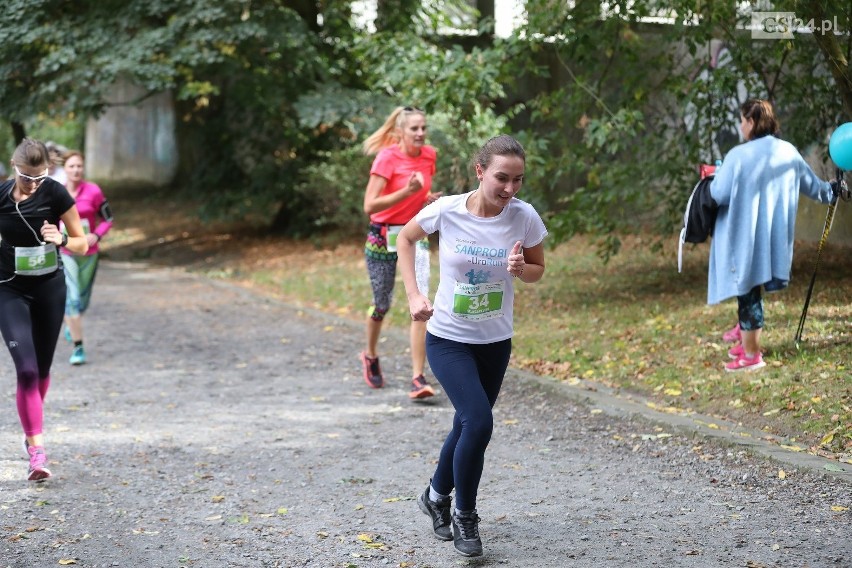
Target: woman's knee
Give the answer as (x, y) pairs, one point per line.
(28, 376)
(479, 427)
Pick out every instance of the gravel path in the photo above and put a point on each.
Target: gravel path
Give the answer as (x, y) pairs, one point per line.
(214, 427)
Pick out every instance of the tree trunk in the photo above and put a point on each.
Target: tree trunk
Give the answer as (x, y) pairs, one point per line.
(19, 132)
(309, 11)
(395, 15)
(486, 11)
(835, 57)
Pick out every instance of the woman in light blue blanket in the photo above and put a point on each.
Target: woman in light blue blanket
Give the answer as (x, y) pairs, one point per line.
(757, 189)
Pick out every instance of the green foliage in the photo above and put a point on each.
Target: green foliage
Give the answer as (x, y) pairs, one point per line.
(635, 107)
(615, 111)
(229, 64)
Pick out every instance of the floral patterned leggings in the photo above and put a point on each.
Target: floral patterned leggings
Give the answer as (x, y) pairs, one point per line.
(750, 310)
(381, 266)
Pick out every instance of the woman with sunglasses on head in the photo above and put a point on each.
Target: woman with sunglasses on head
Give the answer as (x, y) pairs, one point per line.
(80, 270)
(399, 186)
(32, 283)
(489, 240)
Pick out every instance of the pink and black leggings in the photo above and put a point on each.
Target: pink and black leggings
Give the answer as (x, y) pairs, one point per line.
(31, 312)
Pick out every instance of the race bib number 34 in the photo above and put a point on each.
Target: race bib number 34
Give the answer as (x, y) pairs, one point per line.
(478, 301)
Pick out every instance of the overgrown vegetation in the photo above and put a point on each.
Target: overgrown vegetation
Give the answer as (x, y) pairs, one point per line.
(616, 102)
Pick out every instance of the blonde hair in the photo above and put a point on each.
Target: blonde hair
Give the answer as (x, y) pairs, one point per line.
(388, 133)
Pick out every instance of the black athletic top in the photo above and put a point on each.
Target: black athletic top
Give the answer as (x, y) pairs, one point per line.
(50, 201)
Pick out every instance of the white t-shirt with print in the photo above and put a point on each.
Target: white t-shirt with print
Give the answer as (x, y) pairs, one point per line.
(475, 298)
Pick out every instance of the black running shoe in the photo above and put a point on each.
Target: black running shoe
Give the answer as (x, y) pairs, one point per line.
(466, 533)
(440, 513)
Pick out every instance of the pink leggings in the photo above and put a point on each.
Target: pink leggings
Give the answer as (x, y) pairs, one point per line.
(31, 311)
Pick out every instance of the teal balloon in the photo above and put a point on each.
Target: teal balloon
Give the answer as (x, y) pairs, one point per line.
(840, 146)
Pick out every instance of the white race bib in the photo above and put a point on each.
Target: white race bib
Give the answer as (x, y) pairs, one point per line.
(477, 302)
(35, 261)
(393, 233)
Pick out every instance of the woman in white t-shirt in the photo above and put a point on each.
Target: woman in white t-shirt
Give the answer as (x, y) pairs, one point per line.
(488, 238)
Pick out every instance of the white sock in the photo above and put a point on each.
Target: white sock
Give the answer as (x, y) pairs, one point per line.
(435, 496)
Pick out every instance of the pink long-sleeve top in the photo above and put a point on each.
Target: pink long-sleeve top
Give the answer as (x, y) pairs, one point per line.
(89, 201)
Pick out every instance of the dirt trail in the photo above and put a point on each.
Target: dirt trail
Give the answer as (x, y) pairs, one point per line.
(215, 427)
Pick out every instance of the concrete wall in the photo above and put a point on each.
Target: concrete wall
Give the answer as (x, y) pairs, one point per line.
(133, 144)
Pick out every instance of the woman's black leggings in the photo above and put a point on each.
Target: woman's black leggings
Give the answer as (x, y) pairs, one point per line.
(471, 376)
(31, 312)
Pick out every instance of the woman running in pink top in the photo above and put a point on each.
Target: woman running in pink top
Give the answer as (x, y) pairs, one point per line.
(80, 269)
(399, 186)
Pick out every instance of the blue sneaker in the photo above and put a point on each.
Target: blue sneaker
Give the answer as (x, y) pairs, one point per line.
(68, 335)
(78, 357)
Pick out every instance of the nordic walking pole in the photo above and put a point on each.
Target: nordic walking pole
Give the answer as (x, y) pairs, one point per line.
(829, 217)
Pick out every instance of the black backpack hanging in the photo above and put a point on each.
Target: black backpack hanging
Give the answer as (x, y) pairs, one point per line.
(699, 217)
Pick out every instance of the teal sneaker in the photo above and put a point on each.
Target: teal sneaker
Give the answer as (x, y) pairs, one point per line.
(78, 357)
(68, 335)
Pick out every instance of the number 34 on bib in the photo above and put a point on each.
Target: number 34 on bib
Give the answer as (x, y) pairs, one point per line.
(478, 301)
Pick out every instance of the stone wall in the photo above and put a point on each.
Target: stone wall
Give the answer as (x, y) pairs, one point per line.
(133, 143)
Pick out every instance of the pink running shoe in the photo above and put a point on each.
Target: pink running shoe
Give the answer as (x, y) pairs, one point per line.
(733, 334)
(736, 351)
(743, 363)
(420, 388)
(38, 464)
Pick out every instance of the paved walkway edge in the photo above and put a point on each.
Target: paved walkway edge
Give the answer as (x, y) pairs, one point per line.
(601, 397)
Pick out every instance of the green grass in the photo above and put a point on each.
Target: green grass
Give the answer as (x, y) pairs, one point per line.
(637, 325)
